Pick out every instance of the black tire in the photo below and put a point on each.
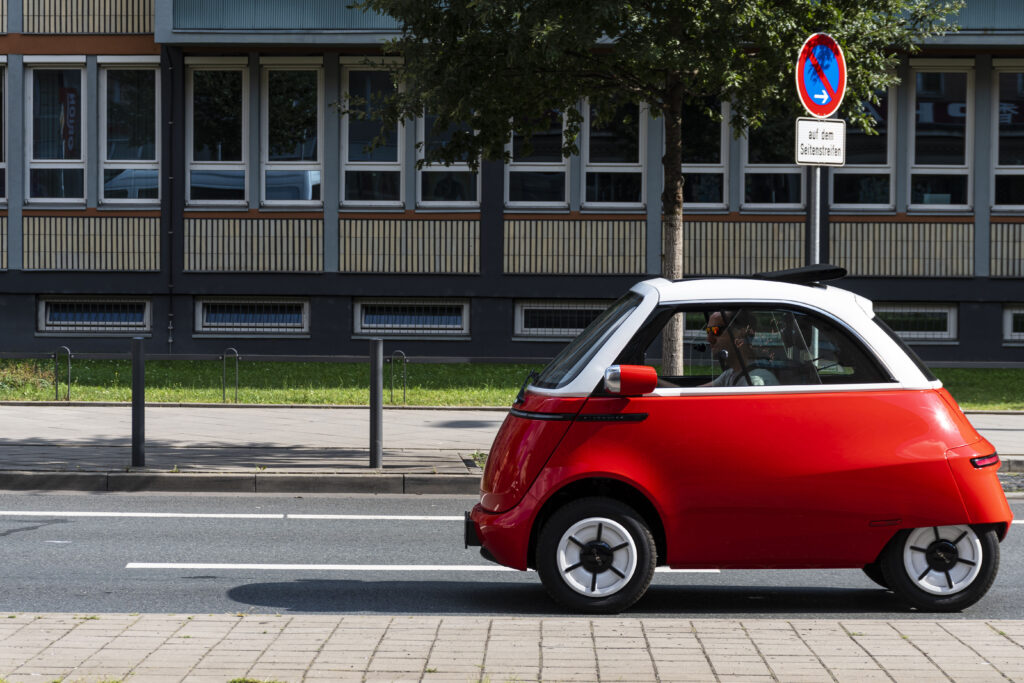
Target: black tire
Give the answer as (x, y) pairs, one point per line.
(605, 565)
(950, 568)
(874, 572)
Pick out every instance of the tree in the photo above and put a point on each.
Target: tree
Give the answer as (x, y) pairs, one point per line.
(501, 66)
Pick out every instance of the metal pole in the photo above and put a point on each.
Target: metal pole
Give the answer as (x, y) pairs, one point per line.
(816, 216)
(376, 403)
(138, 404)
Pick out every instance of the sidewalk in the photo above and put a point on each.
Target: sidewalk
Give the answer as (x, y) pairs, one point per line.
(291, 648)
(284, 449)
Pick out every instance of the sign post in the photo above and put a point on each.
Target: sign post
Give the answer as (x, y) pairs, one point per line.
(820, 85)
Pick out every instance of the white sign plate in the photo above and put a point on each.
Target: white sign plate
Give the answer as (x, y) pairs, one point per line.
(820, 142)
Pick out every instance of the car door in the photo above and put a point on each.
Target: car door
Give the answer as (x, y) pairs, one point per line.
(813, 465)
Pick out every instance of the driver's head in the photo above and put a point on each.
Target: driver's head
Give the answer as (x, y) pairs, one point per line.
(726, 329)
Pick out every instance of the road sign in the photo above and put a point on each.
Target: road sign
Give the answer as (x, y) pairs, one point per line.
(821, 75)
(820, 142)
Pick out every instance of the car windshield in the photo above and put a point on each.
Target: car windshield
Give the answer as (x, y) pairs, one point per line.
(567, 365)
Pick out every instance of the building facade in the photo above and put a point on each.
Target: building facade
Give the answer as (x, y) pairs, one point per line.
(179, 170)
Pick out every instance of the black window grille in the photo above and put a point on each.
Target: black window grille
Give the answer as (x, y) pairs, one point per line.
(252, 317)
(412, 317)
(94, 316)
(556, 319)
(920, 322)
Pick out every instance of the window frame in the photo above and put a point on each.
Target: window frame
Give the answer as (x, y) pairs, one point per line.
(918, 66)
(240, 64)
(348, 65)
(950, 336)
(1009, 336)
(458, 167)
(514, 166)
(106, 65)
(888, 168)
(640, 166)
(361, 332)
(768, 169)
(4, 116)
(44, 329)
(268, 64)
(999, 67)
(560, 334)
(721, 167)
(647, 333)
(33, 65)
(199, 329)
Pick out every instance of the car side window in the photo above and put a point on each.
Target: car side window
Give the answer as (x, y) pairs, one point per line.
(735, 345)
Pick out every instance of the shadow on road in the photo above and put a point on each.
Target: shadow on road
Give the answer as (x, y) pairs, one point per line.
(496, 598)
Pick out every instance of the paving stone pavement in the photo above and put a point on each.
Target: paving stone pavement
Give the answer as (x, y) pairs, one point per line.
(153, 648)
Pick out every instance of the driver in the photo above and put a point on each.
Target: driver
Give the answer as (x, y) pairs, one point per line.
(730, 335)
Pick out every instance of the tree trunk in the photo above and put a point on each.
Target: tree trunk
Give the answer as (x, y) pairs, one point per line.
(672, 226)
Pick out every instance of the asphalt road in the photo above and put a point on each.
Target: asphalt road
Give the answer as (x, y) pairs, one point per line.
(193, 553)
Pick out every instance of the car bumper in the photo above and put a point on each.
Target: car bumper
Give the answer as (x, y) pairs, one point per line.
(503, 537)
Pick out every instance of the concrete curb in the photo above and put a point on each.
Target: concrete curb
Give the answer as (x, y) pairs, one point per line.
(228, 482)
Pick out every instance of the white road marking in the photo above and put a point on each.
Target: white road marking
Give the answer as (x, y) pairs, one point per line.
(226, 515)
(168, 515)
(415, 518)
(1018, 521)
(360, 567)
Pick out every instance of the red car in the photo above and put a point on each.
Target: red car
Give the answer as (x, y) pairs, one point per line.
(792, 430)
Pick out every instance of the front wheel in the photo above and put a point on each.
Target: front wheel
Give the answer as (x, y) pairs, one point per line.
(596, 555)
(942, 568)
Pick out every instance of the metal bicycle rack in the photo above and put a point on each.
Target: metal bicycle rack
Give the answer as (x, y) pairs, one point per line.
(395, 355)
(56, 373)
(224, 374)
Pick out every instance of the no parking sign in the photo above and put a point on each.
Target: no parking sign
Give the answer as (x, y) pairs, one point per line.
(821, 75)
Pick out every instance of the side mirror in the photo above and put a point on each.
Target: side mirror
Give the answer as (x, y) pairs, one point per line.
(630, 380)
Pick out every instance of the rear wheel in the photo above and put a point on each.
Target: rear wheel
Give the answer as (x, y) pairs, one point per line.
(943, 568)
(596, 555)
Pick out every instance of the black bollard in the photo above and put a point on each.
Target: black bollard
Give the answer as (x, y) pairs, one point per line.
(138, 404)
(376, 403)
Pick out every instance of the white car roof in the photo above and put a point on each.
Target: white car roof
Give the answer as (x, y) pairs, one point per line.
(852, 310)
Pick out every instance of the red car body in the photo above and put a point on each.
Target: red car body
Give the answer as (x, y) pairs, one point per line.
(845, 506)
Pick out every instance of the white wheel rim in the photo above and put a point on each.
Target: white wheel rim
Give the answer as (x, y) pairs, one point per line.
(596, 557)
(942, 560)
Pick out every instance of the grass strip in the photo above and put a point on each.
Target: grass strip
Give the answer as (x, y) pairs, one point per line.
(316, 383)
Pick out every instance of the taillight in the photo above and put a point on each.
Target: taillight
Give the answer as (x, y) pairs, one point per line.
(985, 460)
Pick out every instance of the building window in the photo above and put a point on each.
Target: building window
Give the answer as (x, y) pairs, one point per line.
(705, 145)
(93, 316)
(129, 134)
(411, 317)
(56, 168)
(3, 132)
(218, 135)
(866, 180)
(453, 185)
(920, 322)
(1009, 165)
(942, 138)
(292, 106)
(247, 317)
(538, 176)
(1013, 323)
(369, 176)
(770, 178)
(613, 157)
(559, 320)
